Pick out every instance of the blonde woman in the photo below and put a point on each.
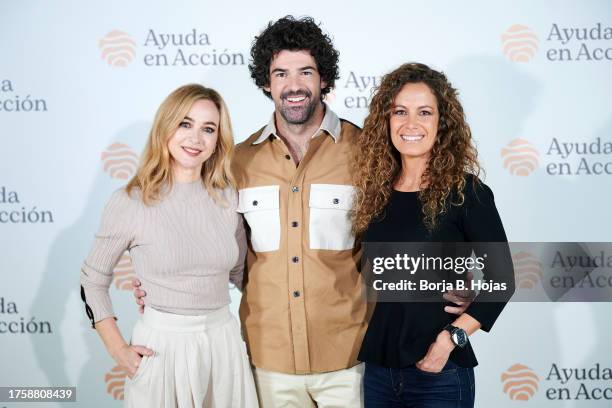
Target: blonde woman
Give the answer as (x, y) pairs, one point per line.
(177, 219)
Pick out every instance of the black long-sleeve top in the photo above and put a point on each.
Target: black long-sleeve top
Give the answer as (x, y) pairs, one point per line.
(399, 334)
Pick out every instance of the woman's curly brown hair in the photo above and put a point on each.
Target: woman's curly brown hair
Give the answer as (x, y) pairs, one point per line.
(378, 163)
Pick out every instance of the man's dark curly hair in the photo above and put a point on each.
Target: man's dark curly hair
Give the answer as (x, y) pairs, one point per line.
(289, 33)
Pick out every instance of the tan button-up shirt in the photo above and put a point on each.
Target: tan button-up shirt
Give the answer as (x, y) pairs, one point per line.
(303, 306)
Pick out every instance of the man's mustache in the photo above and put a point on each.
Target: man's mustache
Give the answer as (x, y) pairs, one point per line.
(294, 94)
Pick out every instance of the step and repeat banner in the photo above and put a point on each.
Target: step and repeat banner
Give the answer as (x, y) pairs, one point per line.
(80, 83)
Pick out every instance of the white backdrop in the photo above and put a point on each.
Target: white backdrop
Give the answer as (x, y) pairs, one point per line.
(78, 79)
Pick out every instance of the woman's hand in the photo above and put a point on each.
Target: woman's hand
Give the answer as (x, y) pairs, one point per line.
(437, 354)
(129, 357)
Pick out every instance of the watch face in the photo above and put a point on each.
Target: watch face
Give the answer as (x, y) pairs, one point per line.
(460, 338)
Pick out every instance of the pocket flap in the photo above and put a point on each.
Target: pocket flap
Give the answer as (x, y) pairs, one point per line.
(258, 198)
(331, 196)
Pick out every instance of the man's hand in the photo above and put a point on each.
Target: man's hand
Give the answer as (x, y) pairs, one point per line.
(461, 298)
(138, 294)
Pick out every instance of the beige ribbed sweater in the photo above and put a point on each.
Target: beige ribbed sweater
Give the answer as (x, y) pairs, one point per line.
(185, 249)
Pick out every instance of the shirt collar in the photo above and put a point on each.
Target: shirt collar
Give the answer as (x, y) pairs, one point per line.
(330, 124)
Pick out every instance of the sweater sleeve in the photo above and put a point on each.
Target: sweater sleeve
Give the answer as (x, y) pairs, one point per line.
(483, 226)
(112, 239)
(237, 272)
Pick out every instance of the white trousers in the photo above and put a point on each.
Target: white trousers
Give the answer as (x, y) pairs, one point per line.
(199, 361)
(335, 389)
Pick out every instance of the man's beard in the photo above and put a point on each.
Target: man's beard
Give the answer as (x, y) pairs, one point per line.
(298, 115)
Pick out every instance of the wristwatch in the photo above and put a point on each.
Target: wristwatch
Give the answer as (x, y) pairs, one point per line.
(458, 336)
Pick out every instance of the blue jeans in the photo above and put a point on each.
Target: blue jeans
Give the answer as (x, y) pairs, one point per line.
(410, 387)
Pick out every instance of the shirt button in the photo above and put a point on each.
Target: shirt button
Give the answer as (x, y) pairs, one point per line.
(336, 201)
(294, 224)
(295, 259)
(287, 157)
(255, 202)
(295, 189)
(296, 293)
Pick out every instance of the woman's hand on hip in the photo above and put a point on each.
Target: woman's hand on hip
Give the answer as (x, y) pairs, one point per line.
(437, 354)
(129, 357)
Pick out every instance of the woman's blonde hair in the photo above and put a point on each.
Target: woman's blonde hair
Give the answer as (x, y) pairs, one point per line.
(378, 163)
(155, 169)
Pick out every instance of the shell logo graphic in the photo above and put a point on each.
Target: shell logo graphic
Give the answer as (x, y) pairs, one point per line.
(520, 43)
(119, 161)
(124, 273)
(520, 382)
(115, 382)
(527, 269)
(117, 48)
(520, 157)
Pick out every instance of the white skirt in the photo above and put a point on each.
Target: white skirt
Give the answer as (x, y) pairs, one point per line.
(199, 361)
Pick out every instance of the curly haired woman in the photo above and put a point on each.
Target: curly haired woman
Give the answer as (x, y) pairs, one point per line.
(417, 181)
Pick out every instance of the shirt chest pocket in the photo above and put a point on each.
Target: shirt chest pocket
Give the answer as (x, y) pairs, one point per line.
(330, 226)
(260, 206)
